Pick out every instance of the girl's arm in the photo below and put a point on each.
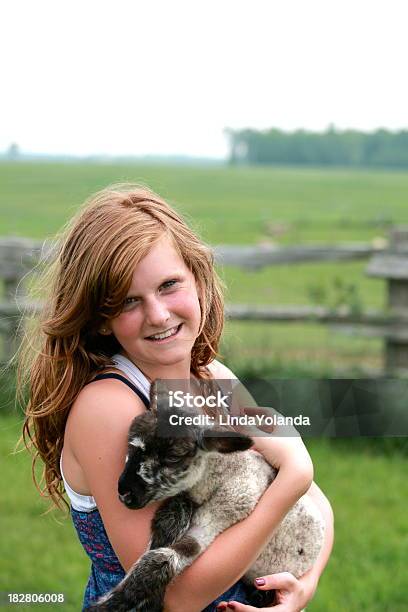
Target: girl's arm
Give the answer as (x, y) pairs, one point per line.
(97, 432)
(311, 578)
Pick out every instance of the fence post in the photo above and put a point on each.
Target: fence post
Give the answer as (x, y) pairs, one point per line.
(393, 266)
(18, 256)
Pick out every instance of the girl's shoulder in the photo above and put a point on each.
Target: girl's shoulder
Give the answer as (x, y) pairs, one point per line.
(220, 371)
(102, 405)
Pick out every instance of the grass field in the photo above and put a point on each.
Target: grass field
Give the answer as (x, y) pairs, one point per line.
(229, 204)
(243, 206)
(367, 486)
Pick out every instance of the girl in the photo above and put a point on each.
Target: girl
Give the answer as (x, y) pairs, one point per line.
(133, 296)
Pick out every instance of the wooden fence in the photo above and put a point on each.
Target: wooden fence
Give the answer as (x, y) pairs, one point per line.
(387, 261)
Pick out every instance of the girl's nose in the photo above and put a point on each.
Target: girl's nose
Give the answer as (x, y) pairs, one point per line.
(157, 313)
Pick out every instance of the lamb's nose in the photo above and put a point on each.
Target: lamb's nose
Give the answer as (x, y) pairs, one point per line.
(125, 498)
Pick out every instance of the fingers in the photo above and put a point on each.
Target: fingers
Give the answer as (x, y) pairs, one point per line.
(282, 581)
(259, 423)
(269, 422)
(265, 415)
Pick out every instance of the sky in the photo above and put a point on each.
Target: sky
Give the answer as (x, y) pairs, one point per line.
(166, 77)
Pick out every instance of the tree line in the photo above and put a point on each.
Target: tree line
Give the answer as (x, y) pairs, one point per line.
(330, 148)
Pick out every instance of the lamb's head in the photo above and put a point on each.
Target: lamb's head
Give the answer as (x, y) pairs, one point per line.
(159, 467)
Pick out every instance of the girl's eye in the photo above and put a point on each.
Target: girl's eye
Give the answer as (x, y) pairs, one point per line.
(133, 301)
(169, 284)
(130, 301)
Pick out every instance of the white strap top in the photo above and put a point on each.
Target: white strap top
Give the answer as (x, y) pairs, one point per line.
(82, 503)
(135, 375)
(86, 503)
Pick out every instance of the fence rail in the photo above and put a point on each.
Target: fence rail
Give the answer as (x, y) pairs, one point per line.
(387, 260)
(256, 257)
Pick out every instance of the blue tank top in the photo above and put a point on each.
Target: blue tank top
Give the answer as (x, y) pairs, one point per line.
(106, 570)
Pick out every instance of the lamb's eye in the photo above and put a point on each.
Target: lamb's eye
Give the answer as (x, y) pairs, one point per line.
(173, 459)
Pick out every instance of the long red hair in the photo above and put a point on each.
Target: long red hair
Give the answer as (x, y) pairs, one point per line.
(85, 285)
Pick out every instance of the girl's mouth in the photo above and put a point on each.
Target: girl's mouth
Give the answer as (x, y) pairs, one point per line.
(165, 336)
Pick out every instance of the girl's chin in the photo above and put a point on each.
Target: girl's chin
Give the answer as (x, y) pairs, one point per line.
(163, 357)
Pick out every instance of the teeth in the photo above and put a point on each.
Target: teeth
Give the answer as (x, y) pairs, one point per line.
(165, 334)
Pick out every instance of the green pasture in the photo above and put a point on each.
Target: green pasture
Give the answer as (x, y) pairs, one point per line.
(229, 204)
(245, 206)
(366, 482)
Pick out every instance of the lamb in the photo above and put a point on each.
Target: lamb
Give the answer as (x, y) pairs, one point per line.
(209, 482)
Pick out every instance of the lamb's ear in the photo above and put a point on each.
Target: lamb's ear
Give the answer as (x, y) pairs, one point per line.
(224, 444)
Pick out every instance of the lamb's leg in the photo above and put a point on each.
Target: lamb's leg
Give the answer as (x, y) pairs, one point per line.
(143, 588)
(172, 520)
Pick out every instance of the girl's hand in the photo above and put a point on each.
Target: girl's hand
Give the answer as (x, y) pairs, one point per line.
(291, 595)
(281, 445)
(284, 450)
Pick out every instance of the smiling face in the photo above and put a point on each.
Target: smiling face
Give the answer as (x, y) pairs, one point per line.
(161, 316)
